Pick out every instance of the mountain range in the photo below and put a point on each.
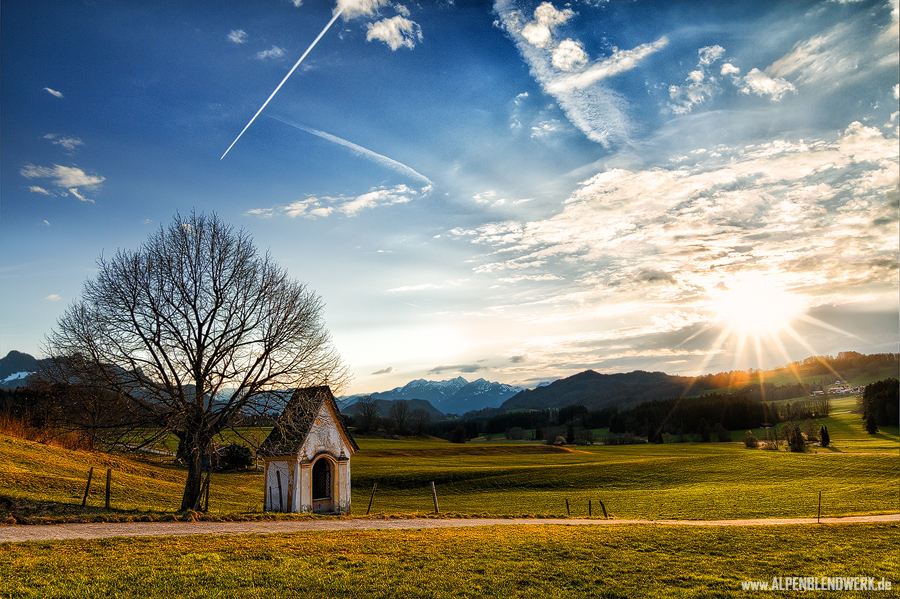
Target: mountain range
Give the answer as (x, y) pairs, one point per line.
(454, 396)
(15, 368)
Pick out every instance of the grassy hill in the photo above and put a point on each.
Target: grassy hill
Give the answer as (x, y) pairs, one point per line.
(857, 475)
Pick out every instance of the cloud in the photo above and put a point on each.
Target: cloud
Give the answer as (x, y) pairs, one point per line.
(69, 143)
(762, 85)
(75, 193)
(699, 85)
(238, 36)
(320, 207)
(397, 32)
(379, 159)
(62, 176)
(465, 368)
(569, 55)
(729, 69)
(387, 370)
(52, 297)
(351, 9)
(565, 71)
(53, 92)
(36, 189)
(818, 217)
(45, 223)
(273, 52)
(518, 359)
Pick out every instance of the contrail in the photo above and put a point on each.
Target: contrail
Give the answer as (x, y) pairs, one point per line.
(311, 46)
(364, 152)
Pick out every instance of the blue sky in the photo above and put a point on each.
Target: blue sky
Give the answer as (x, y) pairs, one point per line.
(513, 190)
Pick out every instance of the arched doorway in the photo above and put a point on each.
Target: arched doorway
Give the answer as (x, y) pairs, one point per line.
(322, 485)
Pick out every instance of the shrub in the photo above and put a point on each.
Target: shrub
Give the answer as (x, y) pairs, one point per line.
(795, 438)
(722, 434)
(750, 440)
(871, 424)
(235, 456)
(824, 436)
(458, 435)
(560, 440)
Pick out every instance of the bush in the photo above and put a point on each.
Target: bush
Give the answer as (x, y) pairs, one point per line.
(560, 440)
(750, 441)
(584, 436)
(795, 438)
(235, 457)
(871, 424)
(458, 435)
(824, 436)
(722, 434)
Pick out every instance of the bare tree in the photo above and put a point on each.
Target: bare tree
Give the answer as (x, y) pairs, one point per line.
(195, 330)
(399, 414)
(368, 413)
(421, 420)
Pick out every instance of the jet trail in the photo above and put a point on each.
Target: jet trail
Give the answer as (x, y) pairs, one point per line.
(311, 46)
(379, 159)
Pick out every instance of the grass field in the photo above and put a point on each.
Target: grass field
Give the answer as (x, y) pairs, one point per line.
(528, 561)
(693, 481)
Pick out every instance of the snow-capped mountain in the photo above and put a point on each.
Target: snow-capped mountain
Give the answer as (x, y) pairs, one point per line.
(454, 396)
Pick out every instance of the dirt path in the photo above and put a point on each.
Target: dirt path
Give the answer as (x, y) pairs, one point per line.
(57, 532)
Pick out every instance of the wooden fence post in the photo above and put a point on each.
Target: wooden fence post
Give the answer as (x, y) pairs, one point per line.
(568, 513)
(604, 509)
(108, 482)
(819, 514)
(280, 499)
(87, 489)
(589, 509)
(434, 496)
(371, 497)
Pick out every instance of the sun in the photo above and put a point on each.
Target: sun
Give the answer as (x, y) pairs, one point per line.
(755, 308)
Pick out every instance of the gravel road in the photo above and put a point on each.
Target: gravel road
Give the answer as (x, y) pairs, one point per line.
(58, 532)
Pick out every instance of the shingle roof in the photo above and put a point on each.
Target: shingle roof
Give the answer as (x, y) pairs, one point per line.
(292, 427)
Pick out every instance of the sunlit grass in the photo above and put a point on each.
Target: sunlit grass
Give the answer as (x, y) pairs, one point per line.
(506, 561)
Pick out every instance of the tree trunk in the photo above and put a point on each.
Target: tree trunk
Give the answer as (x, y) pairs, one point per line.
(194, 461)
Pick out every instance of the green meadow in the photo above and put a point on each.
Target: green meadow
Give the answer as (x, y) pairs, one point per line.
(503, 561)
(857, 475)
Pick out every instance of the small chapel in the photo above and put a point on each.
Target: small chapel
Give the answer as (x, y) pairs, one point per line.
(307, 456)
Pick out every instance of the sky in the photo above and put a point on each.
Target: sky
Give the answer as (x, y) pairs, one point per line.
(517, 191)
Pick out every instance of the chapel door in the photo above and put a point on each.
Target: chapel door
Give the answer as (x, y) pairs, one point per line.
(321, 486)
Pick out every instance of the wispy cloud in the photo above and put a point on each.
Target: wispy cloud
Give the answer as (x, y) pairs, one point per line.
(379, 159)
(273, 52)
(238, 36)
(53, 92)
(464, 368)
(69, 143)
(763, 85)
(397, 32)
(62, 176)
(817, 216)
(565, 71)
(352, 9)
(320, 207)
(53, 297)
(388, 370)
(67, 179)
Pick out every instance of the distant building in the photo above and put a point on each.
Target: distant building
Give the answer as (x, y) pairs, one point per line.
(307, 456)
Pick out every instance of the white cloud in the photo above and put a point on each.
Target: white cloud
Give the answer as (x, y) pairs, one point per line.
(397, 32)
(762, 85)
(320, 207)
(545, 129)
(69, 143)
(568, 75)
(698, 86)
(816, 216)
(238, 36)
(897, 91)
(62, 176)
(569, 55)
(36, 189)
(75, 193)
(388, 370)
(729, 69)
(53, 92)
(539, 32)
(273, 52)
(350, 9)
(52, 297)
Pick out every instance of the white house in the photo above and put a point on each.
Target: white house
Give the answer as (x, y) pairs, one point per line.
(307, 456)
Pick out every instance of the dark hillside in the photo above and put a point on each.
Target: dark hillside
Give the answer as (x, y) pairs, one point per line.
(595, 391)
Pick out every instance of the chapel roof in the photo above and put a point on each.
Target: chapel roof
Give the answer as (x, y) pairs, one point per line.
(297, 418)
